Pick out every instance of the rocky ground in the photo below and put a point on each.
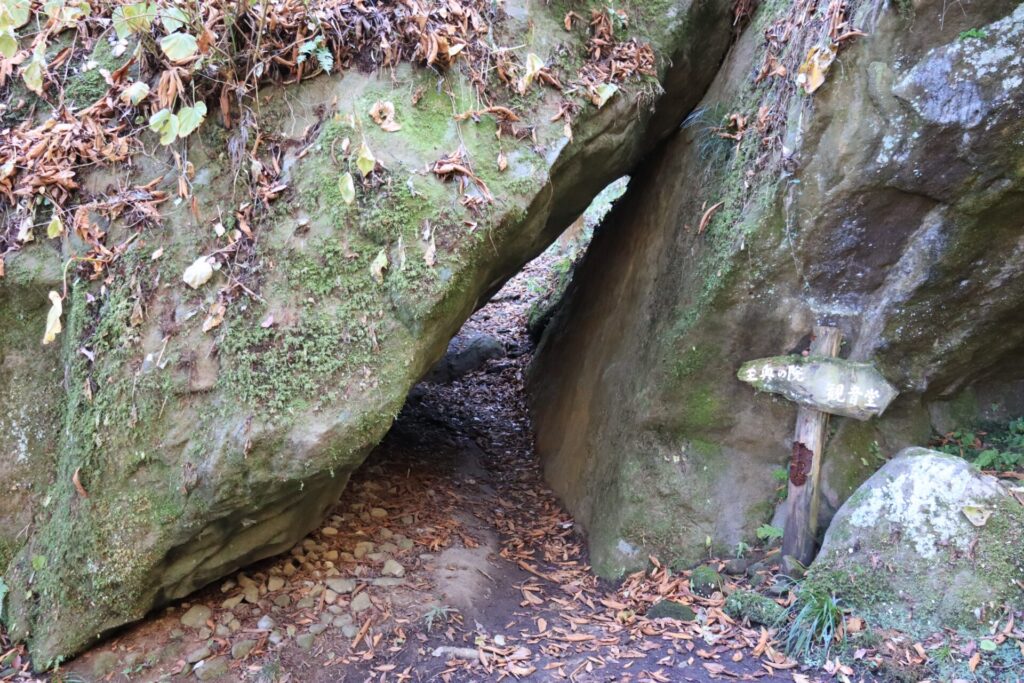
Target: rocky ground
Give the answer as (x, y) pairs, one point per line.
(453, 562)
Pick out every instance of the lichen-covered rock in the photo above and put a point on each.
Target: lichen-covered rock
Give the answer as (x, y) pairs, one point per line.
(927, 542)
(887, 203)
(200, 428)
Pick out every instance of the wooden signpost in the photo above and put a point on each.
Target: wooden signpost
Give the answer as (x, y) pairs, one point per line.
(822, 385)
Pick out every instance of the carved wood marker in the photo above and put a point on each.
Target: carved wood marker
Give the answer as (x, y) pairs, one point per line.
(822, 385)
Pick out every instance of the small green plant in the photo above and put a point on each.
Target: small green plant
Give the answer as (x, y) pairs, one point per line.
(818, 623)
(316, 48)
(997, 447)
(767, 532)
(438, 614)
(742, 549)
(975, 33)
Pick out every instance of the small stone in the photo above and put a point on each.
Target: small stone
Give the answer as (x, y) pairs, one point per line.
(387, 582)
(389, 548)
(198, 654)
(349, 631)
(378, 513)
(222, 631)
(330, 596)
(232, 602)
(275, 583)
(305, 603)
(242, 648)
(251, 594)
(407, 519)
(704, 581)
(736, 566)
(360, 603)
(405, 544)
(196, 616)
(211, 669)
(204, 633)
(779, 588)
(276, 637)
(362, 549)
(347, 557)
(670, 609)
(343, 620)
(331, 556)
(228, 585)
(305, 641)
(393, 568)
(376, 557)
(266, 623)
(329, 531)
(317, 629)
(792, 567)
(235, 625)
(386, 534)
(288, 569)
(282, 600)
(244, 581)
(341, 586)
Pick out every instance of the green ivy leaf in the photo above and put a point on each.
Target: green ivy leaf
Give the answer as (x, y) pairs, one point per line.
(190, 118)
(179, 46)
(135, 93)
(131, 19)
(365, 162)
(19, 11)
(8, 43)
(347, 188)
(988, 645)
(55, 228)
(33, 73)
(165, 123)
(603, 93)
(174, 18)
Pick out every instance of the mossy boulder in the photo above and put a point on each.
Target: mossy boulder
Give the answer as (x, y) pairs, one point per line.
(927, 542)
(753, 607)
(705, 581)
(670, 609)
(173, 445)
(886, 203)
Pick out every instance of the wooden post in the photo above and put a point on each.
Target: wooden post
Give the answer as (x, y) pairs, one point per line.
(803, 497)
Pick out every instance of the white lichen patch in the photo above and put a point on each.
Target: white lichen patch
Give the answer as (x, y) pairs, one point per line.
(923, 496)
(962, 82)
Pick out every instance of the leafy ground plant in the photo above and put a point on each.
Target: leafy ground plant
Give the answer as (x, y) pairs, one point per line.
(997, 447)
(437, 614)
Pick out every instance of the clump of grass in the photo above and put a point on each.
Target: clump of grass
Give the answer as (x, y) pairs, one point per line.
(818, 623)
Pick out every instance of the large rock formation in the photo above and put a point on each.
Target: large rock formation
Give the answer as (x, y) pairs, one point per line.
(888, 203)
(176, 449)
(928, 542)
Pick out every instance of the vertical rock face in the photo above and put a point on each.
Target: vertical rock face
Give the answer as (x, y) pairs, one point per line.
(173, 447)
(927, 542)
(887, 203)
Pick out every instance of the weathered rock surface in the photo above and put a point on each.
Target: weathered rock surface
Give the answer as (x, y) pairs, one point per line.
(181, 454)
(888, 203)
(466, 353)
(927, 542)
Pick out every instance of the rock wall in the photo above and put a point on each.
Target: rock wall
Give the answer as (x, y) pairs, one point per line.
(887, 203)
(177, 454)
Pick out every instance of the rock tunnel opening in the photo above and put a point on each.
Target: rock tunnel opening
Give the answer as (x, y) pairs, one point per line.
(455, 483)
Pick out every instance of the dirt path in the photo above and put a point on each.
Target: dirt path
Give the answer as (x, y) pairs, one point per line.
(447, 559)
